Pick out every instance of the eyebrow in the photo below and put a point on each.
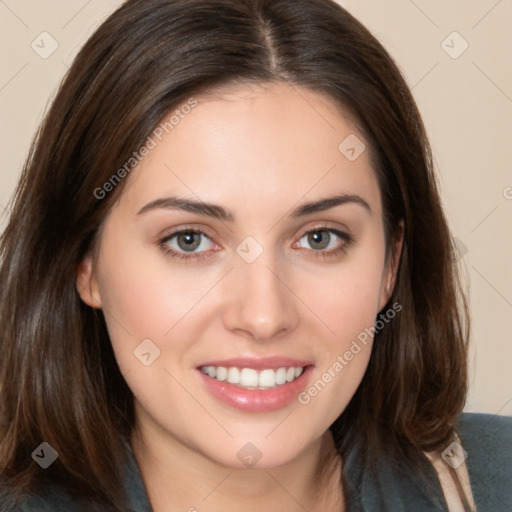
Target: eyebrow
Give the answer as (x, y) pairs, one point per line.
(328, 203)
(188, 205)
(218, 212)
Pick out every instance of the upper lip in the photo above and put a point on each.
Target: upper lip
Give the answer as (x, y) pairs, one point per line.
(259, 363)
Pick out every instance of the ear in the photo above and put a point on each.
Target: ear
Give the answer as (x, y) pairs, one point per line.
(392, 263)
(86, 282)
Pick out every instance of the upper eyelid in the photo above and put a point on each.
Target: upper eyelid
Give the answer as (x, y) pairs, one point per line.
(188, 229)
(184, 229)
(322, 228)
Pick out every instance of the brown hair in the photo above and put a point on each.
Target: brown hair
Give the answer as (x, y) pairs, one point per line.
(59, 379)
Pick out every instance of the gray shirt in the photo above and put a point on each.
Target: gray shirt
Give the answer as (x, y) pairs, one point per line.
(487, 439)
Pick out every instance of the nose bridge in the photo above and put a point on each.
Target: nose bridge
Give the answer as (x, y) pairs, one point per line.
(262, 304)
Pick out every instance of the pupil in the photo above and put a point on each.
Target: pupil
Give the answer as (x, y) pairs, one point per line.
(186, 241)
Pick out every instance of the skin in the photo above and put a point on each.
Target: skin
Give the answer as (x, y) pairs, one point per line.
(259, 152)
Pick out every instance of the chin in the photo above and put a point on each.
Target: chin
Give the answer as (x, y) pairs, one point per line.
(256, 452)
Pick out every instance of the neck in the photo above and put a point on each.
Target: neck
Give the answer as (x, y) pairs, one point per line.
(179, 477)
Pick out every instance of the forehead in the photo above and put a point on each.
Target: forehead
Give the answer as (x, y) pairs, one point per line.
(269, 145)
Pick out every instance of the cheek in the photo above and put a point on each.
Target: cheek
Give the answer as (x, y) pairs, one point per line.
(345, 298)
(347, 304)
(145, 296)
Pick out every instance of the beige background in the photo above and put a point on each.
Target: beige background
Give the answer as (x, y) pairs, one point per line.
(466, 103)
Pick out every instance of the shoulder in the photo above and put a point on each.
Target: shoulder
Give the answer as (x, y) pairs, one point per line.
(49, 500)
(53, 497)
(487, 443)
(488, 436)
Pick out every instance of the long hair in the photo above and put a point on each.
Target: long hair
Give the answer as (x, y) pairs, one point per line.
(59, 381)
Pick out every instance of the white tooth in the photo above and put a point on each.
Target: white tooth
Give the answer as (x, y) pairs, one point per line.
(212, 371)
(267, 378)
(298, 372)
(204, 369)
(233, 376)
(222, 373)
(249, 377)
(281, 376)
(290, 374)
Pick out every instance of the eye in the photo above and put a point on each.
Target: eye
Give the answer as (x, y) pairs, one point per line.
(324, 240)
(186, 243)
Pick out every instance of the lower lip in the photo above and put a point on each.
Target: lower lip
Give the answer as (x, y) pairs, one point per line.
(256, 400)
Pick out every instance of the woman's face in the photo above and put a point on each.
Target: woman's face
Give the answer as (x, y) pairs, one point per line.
(280, 272)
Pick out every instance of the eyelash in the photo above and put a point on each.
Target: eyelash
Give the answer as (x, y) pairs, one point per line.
(331, 253)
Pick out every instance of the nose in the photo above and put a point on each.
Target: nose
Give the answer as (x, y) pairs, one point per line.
(261, 303)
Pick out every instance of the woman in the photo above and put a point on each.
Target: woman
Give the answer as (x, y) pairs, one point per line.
(227, 279)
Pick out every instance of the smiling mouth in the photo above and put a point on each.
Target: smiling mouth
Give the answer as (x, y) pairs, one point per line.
(250, 378)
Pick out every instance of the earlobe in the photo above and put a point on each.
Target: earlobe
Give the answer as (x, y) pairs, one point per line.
(86, 283)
